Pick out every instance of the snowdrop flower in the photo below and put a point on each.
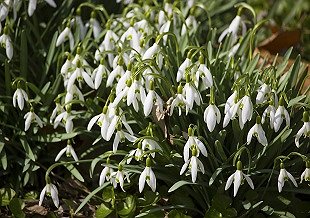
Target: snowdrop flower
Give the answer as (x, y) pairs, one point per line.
(147, 176)
(269, 111)
(193, 143)
(66, 34)
(245, 110)
(106, 173)
(80, 74)
(280, 115)
(306, 174)
(69, 152)
(20, 96)
(66, 68)
(232, 110)
(136, 154)
(79, 22)
(50, 190)
(304, 130)
(117, 72)
(57, 110)
(102, 120)
(283, 176)
(67, 118)
(152, 97)
(193, 164)
(204, 73)
(75, 92)
(262, 93)
(237, 178)
(233, 51)
(190, 24)
(143, 27)
(31, 117)
(161, 18)
(95, 25)
(120, 136)
(212, 114)
(230, 101)
(99, 72)
(164, 29)
(108, 44)
(151, 145)
(132, 36)
(135, 93)
(118, 177)
(233, 29)
(258, 132)
(182, 69)
(191, 94)
(151, 51)
(122, 82)
(4, 10)
(33, 5)
(6, 42)
(179, 101)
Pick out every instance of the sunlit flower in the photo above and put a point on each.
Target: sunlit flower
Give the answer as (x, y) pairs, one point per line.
(95, 25)
(193, 164)
(50, 190)
(31, 117)
(136, 154)
(179, 101)
(237, 178)
(258, 132)
(304, 130)
(33, 5)
(80, 74)
(204, 73)
(280, 115)
(262, 93)
(20, 96)
(69, 152)
(99, 72)
(191, 94)
(132, 36)
(147, 176)
(120, 136)
(67, 118)
(233, 29)
(306, 174)
(74, 93)
(118, 177)
(164, 29)
(57, 110)
(284, 176)
(66, 34)
(182, 69)
(117, 72)
(151, 145)
(79, 22)
(193, 143)
(152, 97)
(106, 173)
(151, 51)
(269, 111)
(212, 115)
(190, 24)
(102, 120)
(245, 110)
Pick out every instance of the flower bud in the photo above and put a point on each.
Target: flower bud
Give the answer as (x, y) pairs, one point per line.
(239, 165)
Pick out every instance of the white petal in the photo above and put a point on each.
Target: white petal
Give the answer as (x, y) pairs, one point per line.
(62, 151)
(32, 7)
(152, 180)
(291, 178)
(92, 122)
(249, 180)
(88, 80)
(54, 193)
(148, 104)
(9, 49)
(229, 181)
(51, 3)
(201, 147)
(194, 168)
(42, 196)
(250, 135)
(184, 167)
(237, 181)
(116, 142)
(142, 180)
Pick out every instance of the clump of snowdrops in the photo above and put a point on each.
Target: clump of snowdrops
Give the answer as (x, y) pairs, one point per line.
(171, 113)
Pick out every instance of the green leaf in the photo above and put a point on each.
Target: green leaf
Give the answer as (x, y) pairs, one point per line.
(55, 137)
(90, 195)
(177, 214)
(23, 55)
(294, 101)
(179, 184)
(74, 172)
(127, 207)
(213, 213)
(27, 149)
(216, 173)
(6, 195)
(108, 194)
(15, 206)
(103, 211)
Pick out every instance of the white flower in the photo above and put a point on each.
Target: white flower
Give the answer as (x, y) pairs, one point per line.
(306, 174)
(117, 72)
(246, 108)
(304, 130)
(280, 115)
(20, 96)
(164, 29)
(74, 92)
(79, 22)
(57, 110)
(108, 44)
(132, 36)
(269, 111)
(182, 69)
(6, 42)
(262, 93)
(31, 117)
(212, 115)
(152, 97)
(193, 164)
(136, 154)
(151, 145)
(148, 176)
(230, 101)
(233, 29)
(179, 101)
(257, 130)
(99, 72)
(120, 136)
(135, 93)
(33, 5)
(237, 178)
(206, 77)
(193, 143)
(191, 94)
(65, 35)
(80, 74)
(95, 25)
(67, 118)
(118, 177)
(283, 176)
(50, 190)
(190, 24)
(4, 10)
(106, 173)
(231, 112)
(69, 152)
(103, 120)
(233, 51)
(151, 51)
(122, 82)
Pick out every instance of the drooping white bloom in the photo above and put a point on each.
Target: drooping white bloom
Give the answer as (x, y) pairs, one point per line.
(31, 117)
(262, 93)
(108, 44)
(95, 25)
(99, 72)
(190, 24)
(232, 111)
(205, 75)
(4, 10)
(194, 164)
(67, 118)
(212, 115)
(120, 136)
(20, 96)
(269, 111)
(79, 22)
(151, 145)
(152, 97)
(132, 36)
(233, 51)
(57, 110)
(33, 5)
(161, 18)
(257, 130)
(50, 190)
(117, 72)
(237, 178)
(103, 120)
(69, 152)
(179, 101)
(80, 74)
(143, 27)
(5, 41)
(164, 29)
(230, 101)
(193, 143)
(182, 69)
(136, 154)
(74, 92)
(280, 115)
(151, 51)
(283, 176)
(118, 177)
(245, 110)
(306, 174)
(66, 34)
(304, 130)
(147, 176)
(136, 92)
(191, 94)
(106, 173)
(233, 29)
